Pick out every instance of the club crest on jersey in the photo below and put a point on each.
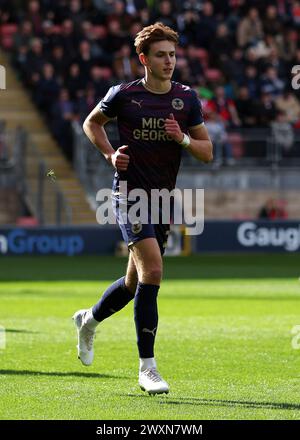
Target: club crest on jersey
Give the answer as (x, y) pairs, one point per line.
(136, 227)
(177, 104)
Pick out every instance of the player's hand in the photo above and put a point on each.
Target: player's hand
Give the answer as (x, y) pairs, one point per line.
(119, 159)
(172, 128)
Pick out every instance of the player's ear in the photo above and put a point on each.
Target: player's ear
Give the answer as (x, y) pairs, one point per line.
(143, 59)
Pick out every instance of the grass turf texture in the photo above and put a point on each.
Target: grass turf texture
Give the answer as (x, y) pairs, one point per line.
(223, 344)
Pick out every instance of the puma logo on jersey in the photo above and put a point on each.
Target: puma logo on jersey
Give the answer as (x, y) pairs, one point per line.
(146, 330)
(139, 103)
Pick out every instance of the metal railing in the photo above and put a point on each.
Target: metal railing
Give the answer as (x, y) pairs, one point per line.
(7, 163)
(92, 169)
(259, 147)
(251, 148)
(42, 195)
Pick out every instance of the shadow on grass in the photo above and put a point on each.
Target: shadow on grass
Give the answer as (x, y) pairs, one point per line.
(15, 330)
(108, 268)
(59, 374)
(218, 402)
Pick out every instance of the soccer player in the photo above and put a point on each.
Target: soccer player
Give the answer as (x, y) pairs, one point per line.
(157, 118)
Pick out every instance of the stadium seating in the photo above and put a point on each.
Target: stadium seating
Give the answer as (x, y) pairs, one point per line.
(213, 52)
(7, 32)
(17, 110)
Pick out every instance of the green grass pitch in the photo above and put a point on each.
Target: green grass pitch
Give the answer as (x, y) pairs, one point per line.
(224, 341)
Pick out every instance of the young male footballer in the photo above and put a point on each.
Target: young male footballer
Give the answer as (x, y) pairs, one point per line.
(157, 118)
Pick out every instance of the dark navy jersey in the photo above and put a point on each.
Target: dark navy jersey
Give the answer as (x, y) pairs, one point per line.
(154, 156)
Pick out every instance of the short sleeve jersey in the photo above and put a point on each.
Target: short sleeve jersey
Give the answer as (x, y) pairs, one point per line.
(154, 156)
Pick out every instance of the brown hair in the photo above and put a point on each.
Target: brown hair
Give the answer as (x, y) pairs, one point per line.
(153, 33)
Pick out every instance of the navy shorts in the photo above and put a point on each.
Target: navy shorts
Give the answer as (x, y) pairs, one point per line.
(134, 231)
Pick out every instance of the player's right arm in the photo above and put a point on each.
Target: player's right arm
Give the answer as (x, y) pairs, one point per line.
(93, 127)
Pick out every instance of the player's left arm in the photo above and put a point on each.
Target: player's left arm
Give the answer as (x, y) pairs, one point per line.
(200, 145)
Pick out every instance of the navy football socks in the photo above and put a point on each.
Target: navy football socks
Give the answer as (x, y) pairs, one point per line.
(146, 318)
(114, 299)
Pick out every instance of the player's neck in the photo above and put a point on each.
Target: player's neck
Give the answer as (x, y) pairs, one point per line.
(156, 86)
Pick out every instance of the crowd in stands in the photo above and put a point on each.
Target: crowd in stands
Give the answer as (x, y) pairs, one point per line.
(237, 54)
(273, 210)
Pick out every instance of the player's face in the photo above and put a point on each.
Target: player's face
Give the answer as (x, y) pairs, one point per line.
(161, 60)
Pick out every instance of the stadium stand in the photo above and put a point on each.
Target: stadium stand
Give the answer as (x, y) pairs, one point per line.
(17, 110)
(237, 54)
(9, 206)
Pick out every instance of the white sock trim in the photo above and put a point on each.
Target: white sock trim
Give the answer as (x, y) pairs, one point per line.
(147, 363)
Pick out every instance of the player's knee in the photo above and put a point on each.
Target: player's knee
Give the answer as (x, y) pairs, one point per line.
(154, 274)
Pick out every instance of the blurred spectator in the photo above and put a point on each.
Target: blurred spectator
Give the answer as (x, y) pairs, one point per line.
(35, 60)
(273, 60)
(115, 36)
(251, 81)
(145, 17)
(222, 45)
(287, 44)
(63, 112)
(183, 72)
(224, 107)
(246, 108)
(271, 83)
(124, 65)
(7, 12)
(233, 15)
(68, 38)
(283, 136)
(206, 31)
(120, 14)
(105, 6)
(74, 80)
(284, 10)
(24, 35)
(289, 105)
(77, 13)
(59, 61)
(188, 24)
(84, 58)
(205, 93)
(219, 138)
(272, 211)
(271, 24)
(250, 29)
(259, 51)
(47, 89)
(296, 12)
(165, 14)
(19, 61)
(196, 69)
(234, 66)
(99, 81)
(100, 45)
(34, 16)
(49, 36)
(243, 50)
(85, 103)
(134, 29)
(266, 111)
(191, 5)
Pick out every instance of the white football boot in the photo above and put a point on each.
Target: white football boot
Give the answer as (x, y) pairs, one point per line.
(151, 381)
(86, 330)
